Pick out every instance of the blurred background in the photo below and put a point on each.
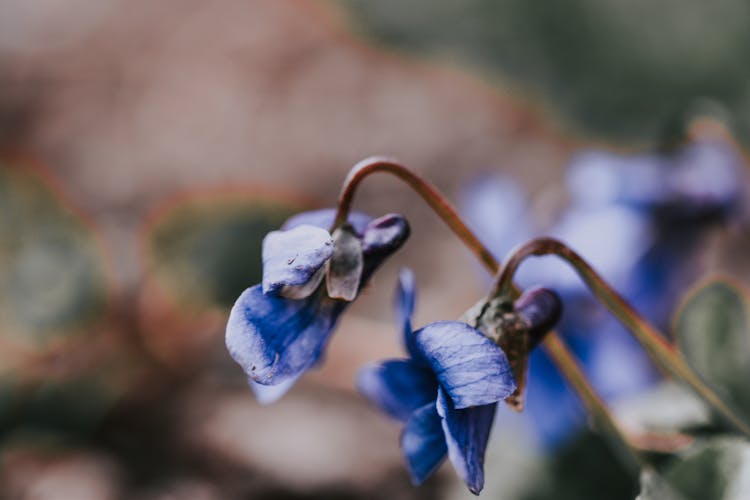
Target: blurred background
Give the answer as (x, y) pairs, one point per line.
(147, 148)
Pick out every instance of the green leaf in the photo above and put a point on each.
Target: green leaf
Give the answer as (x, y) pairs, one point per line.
(718, 469)
(54, 278)
(655, 487)
(584, 467)
(668, 407)
(72, 407)
(207, 249)
(660, 55)
(713, 336)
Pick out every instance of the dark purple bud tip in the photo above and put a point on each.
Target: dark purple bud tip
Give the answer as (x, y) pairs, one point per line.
(540, 308)
(382, 237)
(385, 235)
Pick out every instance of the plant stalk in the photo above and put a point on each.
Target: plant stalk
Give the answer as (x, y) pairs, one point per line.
(661, 351)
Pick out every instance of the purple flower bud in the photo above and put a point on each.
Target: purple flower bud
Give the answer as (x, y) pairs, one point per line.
(384, 234)
(540, 308)
(381, 238)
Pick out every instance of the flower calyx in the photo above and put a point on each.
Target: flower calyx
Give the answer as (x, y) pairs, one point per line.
(517, 327)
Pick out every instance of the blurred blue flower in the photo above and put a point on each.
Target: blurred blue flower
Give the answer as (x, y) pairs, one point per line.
(639, 220)
(277, 330)
(445, 392)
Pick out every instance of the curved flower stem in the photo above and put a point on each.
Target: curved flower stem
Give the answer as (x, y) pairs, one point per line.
(598, 409)
(427, 191)
(553, 344)
(661, 351)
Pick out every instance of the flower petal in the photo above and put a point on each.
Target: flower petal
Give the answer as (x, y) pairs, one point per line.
(423, 443)
(466, 433)
(397, 386)
(293, 257)
(405, 299)
(267, 394)
(323, 218)
(471, 368)
(275, 339)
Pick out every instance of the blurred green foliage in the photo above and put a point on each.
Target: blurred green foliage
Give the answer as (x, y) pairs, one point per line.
(618, 69)
(713, 335)
(713, 470)
(208, 249)
(584, 468)
(53, 267)
(56, 409)
(53, 299)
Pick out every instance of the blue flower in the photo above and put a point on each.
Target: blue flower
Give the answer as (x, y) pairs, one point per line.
(279, 329)
(445, 392)
(639, 220)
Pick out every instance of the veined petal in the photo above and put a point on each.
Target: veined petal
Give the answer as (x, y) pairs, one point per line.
(267, 394)
(323, 218)
(466, 434)
(471, 368)
(275, 339)
(423, 443)
(397, 386)
(293, 257)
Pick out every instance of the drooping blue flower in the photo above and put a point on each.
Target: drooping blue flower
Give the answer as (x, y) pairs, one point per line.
(445, 393)
(279, 329)
(639, 220)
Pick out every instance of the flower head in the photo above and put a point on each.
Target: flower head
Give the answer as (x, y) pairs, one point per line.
(445, 392)
(279, 329)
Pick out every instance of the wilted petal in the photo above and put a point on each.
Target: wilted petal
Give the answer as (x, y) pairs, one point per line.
(466, 433)
(323, 218)
(344, 271)
(293, 257)
(423, 442)
(470, 367)
(267, 394)
(398, 387)
(274, 338)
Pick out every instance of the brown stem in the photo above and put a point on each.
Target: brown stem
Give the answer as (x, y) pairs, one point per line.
(661, 351)
(427, 191)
